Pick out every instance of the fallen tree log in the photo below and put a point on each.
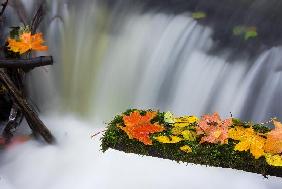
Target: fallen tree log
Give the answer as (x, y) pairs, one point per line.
(26, 63)
(160, 134)
(36, 125)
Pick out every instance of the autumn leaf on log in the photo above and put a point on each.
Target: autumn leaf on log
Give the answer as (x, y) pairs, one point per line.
(249, 140)
(273, 142)
(213, 129)
(139, 126)
(27, 42)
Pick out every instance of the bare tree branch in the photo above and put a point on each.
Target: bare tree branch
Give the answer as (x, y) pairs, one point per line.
(4, 5)
(26, 63)
(33, 120)
(38, 17)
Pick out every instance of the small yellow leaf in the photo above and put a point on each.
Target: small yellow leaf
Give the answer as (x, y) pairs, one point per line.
(186, 149)
(189, 135)
(185, 121)
(274, 160)
(170, 139)
(168, 117)
(177, 130)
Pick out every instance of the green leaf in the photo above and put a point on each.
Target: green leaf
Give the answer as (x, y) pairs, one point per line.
(199, 15)
(245, 31)
(250, 34)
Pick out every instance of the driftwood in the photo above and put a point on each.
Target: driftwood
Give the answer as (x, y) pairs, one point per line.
(34, 122)
(26, 63)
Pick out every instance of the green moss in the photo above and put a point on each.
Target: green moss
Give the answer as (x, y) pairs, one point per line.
(203, 154)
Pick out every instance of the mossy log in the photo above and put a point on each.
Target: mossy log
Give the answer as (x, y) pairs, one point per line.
(33, 120)
(215, 155)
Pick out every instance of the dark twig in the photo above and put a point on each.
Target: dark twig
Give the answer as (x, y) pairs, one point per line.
(4, 5)
(92, 136)
(26, 63)
(37, 18)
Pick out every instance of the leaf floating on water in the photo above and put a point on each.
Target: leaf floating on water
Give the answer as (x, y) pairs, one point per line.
(251, 32)
(199, 15)
(245, 31)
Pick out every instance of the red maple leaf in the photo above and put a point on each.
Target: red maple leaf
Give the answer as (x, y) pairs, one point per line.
(214, 129)
(139, 126)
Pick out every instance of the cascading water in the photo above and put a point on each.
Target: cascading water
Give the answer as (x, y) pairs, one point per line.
(115, 60)
(111, 59)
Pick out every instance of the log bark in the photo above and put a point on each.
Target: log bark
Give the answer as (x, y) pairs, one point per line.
(26, 63)
(33, 120)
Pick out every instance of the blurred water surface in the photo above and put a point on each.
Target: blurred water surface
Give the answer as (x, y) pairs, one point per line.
(111, 59)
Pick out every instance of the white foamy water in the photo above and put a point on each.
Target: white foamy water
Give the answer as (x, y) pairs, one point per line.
(77, 162)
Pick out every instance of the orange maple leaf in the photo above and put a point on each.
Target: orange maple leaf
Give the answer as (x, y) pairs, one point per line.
(139, 127)
(27, 42)
(273, 142)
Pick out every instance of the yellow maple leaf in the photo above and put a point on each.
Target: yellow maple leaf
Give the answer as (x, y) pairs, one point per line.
(185, 121)
(274, 160)
(177, 130)
(168, 139)
(27, 42)
(189, 135)
(249, 140)
(186, 148)
(273, 142)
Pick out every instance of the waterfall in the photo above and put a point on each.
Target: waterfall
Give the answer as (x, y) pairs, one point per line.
(113, 59)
